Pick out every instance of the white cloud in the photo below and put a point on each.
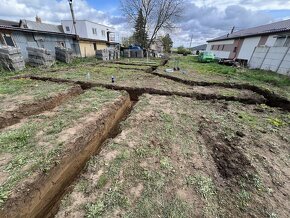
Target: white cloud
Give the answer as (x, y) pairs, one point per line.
(202, 19)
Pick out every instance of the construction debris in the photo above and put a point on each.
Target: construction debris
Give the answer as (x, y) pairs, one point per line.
(63, 54)
(134, 53)
(40, 57)
(11, 58)
(108, 54)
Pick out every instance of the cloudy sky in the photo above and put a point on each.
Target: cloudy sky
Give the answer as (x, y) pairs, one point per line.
(202, 19)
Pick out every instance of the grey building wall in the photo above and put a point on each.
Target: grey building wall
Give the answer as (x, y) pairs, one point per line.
(276, 59)
(47, 41)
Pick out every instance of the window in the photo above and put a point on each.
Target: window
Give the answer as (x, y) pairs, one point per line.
(287, 43)
(212, 47)
(280, 41)
(218, 48)
(7, 39)
(223, 47)
(235, 49)
(95, 46)
(67, 28)
(103, 33)
(94, 31)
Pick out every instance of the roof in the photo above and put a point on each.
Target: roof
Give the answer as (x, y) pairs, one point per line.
(277, 27)
(199, 47)
(90, 22)
(8, 23)
(11, 28)
(27, 24)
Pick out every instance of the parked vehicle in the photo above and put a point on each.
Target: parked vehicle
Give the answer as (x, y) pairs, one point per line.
(206, 57)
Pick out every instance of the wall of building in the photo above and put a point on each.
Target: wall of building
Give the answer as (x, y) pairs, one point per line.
(248, 47)
(275, 59)
(47, 41)
(224, 49)
(87, 49)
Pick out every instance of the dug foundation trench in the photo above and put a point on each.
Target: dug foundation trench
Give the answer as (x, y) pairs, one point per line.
(137, 91)
(9, 118)
(40, 197)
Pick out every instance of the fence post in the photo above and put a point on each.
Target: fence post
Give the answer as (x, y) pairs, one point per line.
(282, 60)
(265, 57)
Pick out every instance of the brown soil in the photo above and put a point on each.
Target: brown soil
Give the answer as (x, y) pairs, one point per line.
(202, 153)
(37, 195)
(200, 93)
(18, 112)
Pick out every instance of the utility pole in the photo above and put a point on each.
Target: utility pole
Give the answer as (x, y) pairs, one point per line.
(191, 41)
(73, 15)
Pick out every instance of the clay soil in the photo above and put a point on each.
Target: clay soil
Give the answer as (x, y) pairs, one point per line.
(176, 157)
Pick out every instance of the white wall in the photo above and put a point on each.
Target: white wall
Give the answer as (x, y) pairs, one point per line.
(220, 54)
(274, 58)
(271, 41)
(285, 65)
(85, 29)
(248, 47)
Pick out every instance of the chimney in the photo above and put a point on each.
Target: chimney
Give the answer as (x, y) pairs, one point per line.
(233, 29)
(38, 19)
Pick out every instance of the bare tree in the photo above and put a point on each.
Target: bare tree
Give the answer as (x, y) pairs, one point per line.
(158, 14)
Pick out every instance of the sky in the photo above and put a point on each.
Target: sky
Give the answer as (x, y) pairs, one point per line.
(201, 19)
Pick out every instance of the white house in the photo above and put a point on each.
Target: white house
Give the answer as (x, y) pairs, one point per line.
(92, 36)
(241, 44)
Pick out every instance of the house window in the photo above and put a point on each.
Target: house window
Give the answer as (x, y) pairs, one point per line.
(235, 49)
(212, 47)
(280, 42)
(218, 48)
(95, 46)
(94, 31)
(67, 28)
(7, 39)
(103, 33)
(287, 43)
(223, 47)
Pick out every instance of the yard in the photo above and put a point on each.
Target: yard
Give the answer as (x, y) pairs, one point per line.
(151, 144)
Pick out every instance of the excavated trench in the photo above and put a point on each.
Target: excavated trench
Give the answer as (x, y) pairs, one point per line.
(137, 91)
(42, 197)
(9, 118)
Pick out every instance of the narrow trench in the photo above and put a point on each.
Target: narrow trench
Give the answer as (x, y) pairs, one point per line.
(53, 208)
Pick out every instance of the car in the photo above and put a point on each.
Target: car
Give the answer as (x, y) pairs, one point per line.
(206, 57)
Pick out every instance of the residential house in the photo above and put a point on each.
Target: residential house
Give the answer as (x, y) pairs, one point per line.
(264, 47)
(241, 44)
(198, 48)
(92, 36)
(157, 46)
(27, 33)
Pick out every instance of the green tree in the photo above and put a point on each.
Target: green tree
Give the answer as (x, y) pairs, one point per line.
(140, 34)
(167, 43)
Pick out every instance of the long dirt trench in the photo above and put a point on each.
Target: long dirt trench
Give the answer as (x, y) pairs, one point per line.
(44, 194)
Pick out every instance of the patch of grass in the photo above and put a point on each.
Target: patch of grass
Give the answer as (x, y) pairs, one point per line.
(82, 186)
(204, 185)
(112, 199)
(102, 182)
(165, 163)
(244, 198)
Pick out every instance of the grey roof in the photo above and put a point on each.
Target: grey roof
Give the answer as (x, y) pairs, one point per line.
(32, 25)
(277, 27)
(9, 23)
(199, 47)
